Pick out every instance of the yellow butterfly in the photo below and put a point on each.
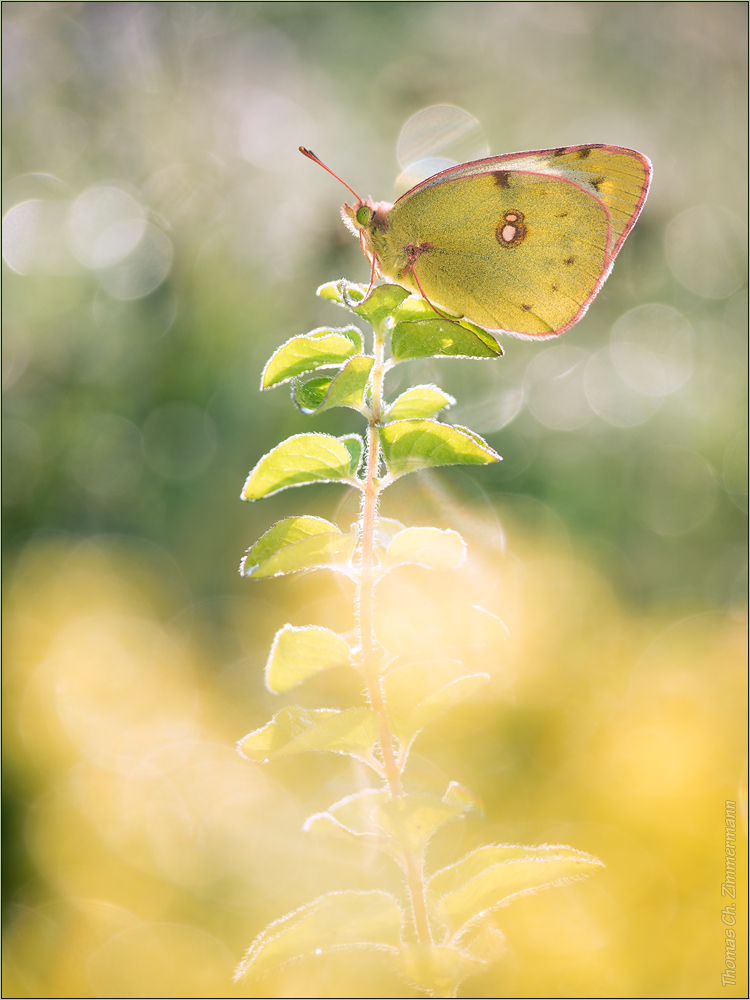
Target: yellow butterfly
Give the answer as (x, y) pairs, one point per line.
(519, 243)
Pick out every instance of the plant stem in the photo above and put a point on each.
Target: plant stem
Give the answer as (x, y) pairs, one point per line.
(371, 658)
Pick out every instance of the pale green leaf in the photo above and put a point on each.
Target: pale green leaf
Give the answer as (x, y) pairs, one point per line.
(345, 389)
(484, 943)
(419, 332)
(295, 730)
(283, 533)
(442, 701)
(351, 817)
(431, 547)
(375, 307)
(494, 875)
(421, 401)
(338, 920)
(412, 819)
(410, 445)
(332, 550)
(419, 693)
(407, 685)
(299, 652)
(321, 348)
(385, 530)
(301, 459)
(298, 543)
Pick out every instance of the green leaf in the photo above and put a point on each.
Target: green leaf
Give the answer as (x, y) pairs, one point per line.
(321, 348)
(370, 919)
(295, 730)
(330, 551)
(381, 303)
(410, 445)
(424, 337)
(279, 550)
(345, 389)
(421, 401)
(344, 293)
(355, 446)
(430, 547)
(412, 819)
(299, 652)
(350, 817)
(494, 875)
(301, 459)
(310, 394)
(375, 307)
(283, 533)
(419, 693)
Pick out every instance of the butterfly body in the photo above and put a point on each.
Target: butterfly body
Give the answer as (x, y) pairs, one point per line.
(519, 243)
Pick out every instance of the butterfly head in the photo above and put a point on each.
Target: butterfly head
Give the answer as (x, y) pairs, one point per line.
(365, 216)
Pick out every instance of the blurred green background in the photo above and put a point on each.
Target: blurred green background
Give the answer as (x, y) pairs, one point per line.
(161, 236)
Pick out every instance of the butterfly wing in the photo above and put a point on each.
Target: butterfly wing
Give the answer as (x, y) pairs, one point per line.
(518, 243)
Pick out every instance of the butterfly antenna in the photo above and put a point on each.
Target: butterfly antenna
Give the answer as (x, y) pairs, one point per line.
(311, 156)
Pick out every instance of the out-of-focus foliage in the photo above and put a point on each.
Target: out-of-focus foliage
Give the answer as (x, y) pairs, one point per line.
(162, 236)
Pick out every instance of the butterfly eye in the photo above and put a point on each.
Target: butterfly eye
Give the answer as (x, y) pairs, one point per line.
(364, 215)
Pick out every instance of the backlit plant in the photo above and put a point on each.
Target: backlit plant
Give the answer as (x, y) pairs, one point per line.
(442, 927)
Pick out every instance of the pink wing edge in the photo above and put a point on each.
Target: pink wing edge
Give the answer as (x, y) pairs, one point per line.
(492, 162)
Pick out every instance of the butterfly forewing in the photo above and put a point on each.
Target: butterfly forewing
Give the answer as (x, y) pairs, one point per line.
(534, 281)
(519, 243)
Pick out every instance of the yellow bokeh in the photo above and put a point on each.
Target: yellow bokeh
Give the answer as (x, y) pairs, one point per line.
(160, 852)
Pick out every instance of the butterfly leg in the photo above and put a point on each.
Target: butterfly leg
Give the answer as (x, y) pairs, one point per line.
(371, 257)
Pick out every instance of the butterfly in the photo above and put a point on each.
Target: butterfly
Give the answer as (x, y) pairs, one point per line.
(518, 244)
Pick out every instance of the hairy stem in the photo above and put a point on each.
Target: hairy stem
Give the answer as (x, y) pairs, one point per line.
(371, 657)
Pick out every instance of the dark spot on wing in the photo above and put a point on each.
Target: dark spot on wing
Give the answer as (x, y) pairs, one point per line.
(501, 178)
(523, 306)
(597, 182)
(554, 288)
(510, 230)
(562, 215)
(560, 151)
(569, 261)
(583, 154)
